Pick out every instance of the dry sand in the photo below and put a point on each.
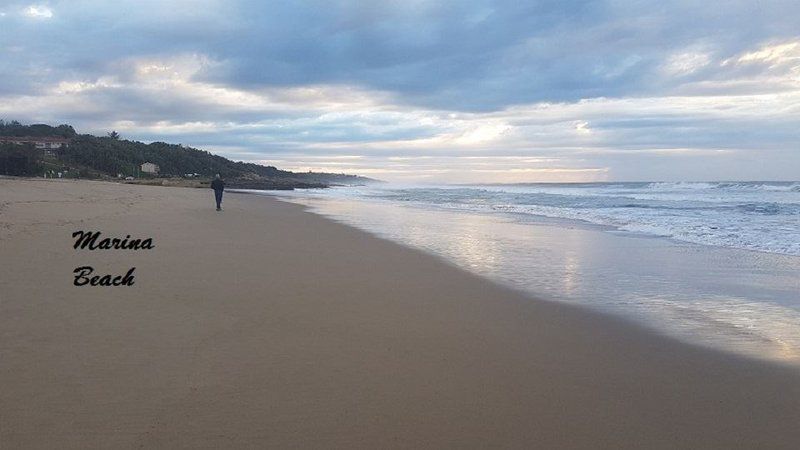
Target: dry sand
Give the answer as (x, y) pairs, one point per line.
(268, 326)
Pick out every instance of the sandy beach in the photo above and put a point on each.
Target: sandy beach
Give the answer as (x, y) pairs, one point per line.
(267, 326)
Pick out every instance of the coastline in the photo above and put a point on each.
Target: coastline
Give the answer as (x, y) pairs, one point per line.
(267, 325)
(735, 300)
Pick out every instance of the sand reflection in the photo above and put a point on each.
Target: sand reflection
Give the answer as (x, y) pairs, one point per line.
(734, 300)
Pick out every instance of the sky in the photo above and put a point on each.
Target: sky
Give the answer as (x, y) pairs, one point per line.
(425, 91)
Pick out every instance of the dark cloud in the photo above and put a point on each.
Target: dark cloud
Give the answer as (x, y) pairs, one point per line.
(476, 55)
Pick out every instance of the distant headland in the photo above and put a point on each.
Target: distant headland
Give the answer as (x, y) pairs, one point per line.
(41, 150)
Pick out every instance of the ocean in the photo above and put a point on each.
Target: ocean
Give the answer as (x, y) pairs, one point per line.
(714, 264)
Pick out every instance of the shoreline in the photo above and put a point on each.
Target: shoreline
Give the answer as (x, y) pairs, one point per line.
(540, 219)
(270, 325)
(742, 313)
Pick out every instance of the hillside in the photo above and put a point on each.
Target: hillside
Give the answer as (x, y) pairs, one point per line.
(90, 156)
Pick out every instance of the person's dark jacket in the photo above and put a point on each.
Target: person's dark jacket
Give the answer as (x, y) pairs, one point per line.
(218, 185)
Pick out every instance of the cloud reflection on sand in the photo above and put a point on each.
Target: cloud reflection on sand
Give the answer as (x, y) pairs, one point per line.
(735, 300)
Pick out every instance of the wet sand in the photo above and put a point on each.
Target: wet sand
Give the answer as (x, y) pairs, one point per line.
(268, 326)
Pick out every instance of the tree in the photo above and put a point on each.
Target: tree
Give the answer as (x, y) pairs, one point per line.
(114, 135)
(66, 131)
(20, 160)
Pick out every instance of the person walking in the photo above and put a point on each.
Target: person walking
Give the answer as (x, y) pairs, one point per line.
(218, 186)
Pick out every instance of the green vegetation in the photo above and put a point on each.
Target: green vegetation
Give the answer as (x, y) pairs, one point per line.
(17, 129)
(20, 160)
(110, 156)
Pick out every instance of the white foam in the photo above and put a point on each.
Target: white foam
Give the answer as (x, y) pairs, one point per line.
(754, 216)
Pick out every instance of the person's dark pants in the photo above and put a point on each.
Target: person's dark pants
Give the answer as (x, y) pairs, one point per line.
(218, 196)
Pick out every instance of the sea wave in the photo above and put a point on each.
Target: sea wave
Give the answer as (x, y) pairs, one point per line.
(739, 186)
(761, 216)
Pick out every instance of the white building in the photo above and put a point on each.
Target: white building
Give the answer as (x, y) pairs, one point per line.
(149, 167)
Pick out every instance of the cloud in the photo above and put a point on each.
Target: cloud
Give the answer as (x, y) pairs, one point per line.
(686, 63)
(776, 55)
(593, 89)
(38, 12)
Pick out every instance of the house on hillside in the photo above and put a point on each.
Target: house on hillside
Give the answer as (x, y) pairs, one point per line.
(150, 168)
(43, 142)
